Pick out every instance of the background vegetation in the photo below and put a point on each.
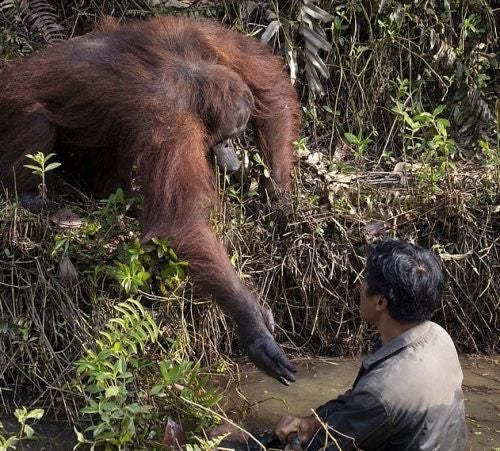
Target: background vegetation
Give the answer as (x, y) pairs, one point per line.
(400, 137)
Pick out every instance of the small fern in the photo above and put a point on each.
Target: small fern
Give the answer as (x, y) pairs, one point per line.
(134, 330)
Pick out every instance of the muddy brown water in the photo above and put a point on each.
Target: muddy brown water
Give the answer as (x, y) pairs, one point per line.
(261, 401)
(265, 400)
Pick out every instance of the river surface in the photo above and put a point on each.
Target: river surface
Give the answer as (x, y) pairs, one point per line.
(262, 401)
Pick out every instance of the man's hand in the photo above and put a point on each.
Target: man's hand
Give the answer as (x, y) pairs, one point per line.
(304, 427)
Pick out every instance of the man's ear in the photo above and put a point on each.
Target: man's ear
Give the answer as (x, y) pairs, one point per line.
(381, 304)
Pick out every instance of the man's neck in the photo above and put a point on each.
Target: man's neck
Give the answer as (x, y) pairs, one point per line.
(390, 328)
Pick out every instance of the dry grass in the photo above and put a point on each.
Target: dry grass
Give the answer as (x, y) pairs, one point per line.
(304, 261)
(307, 265)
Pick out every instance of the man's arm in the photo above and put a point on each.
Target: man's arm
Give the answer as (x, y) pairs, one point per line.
(354, 420)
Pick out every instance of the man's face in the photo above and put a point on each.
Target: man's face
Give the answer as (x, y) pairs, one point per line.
(368, 304)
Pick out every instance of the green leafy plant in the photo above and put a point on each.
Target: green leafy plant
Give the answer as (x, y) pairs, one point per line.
(106, 378)
(261, 165)
(137, 265)
(41, 167)
(115, 204)
(172, 269)
(126, 393)
(10, 441)
(301, 145)
(206, 444)
(132, 276)
(492, 159)
(427, 139)
(360, 144)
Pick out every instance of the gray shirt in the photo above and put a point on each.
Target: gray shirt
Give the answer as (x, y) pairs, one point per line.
(407, 396)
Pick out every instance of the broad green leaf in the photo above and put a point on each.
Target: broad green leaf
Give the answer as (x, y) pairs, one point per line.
(35, 413)
(35, 168)
(353, 139)
(422, 117)
(112, 391)
(444, 122)
(156, 390)
(438, 110)
(79, 436)
(28, 430)
(52, 166)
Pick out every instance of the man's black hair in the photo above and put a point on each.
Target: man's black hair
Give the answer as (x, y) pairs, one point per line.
(408, 276)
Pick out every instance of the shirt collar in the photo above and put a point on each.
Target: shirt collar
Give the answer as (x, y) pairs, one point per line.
(396, 344)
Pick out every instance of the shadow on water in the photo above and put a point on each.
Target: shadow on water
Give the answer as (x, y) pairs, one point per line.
(322, 379)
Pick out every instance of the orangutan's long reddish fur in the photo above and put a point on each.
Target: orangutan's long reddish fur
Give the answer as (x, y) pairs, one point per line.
(135, 94)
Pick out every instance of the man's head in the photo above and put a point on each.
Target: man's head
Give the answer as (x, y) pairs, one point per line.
(402, 278)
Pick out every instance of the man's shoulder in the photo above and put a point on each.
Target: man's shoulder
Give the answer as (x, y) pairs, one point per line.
(436, 344)
(426, 367)
(439, 331)
(425, 338)
(426, 335)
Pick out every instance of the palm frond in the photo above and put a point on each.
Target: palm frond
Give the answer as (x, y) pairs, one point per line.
(41, 16)
(311, 19)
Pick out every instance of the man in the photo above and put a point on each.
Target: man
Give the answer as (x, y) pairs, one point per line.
(408, 394)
